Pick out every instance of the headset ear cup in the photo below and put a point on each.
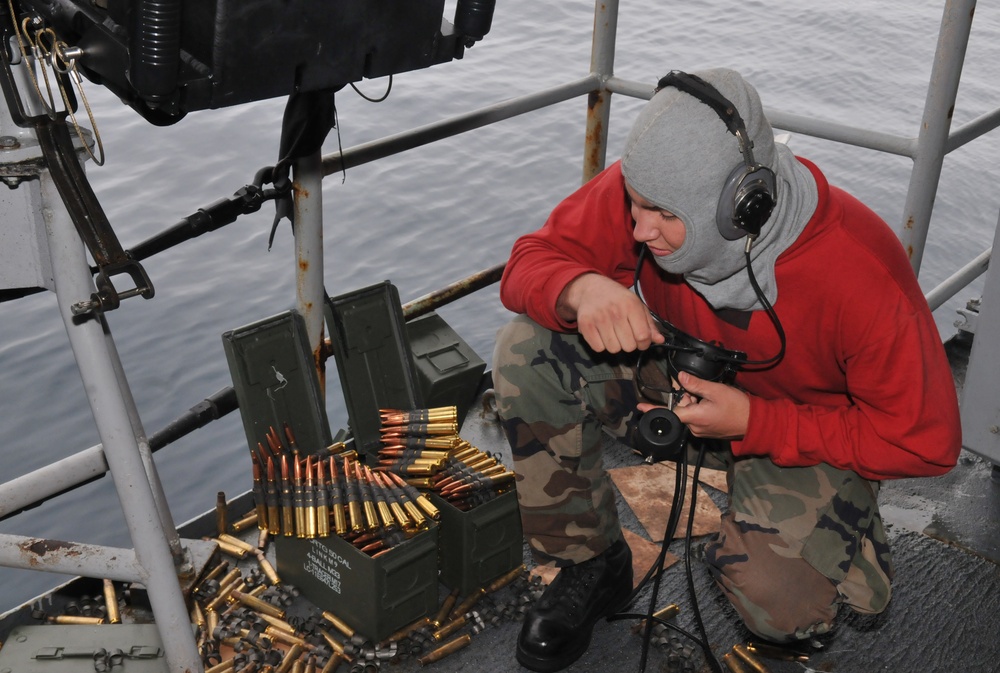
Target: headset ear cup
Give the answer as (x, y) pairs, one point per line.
(746, 202)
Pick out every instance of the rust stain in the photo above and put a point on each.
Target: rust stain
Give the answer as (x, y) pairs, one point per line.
(40, 547)
(909, 223)
(909, 252)
(303, 265)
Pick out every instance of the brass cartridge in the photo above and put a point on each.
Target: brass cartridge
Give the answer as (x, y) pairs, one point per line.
(221, 514)
(273, 508)
(322, 502)
(450, 627)
(299, 500)
(467, 602)
(309, 489)
(753, 662)
(75, 619)
(420, 500)
(230, 550)
(287, 500)
(293, 654)
(732, 662)
(211, 623)
(354, 515)
(406, 631)
(335, 645)
(779, 653)
(259, 493)
(665, 613)
(277, 623)
(111, 603)
(257, 604)
(336, 448)
(336, 501)
(222, 667)
(505, 579)
(398, 513)
(250, 520)
(268, 569)
(446, 605)
(367, 500)
(237, 542)
(333, 663)
(446, 649)
(338, 623)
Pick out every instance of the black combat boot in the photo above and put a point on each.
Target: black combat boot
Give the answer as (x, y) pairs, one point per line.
(557, 629)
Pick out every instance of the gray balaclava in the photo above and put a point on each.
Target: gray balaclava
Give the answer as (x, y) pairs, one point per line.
(678, 156)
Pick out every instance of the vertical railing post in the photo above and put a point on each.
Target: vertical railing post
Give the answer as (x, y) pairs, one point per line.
(602, 63)
(88, 337)
(307, 187)
(939, 106)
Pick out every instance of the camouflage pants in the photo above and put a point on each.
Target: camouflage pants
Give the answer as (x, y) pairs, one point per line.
(794, 544)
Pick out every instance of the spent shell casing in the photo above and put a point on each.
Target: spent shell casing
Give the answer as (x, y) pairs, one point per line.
(450, 627)
(750, 660)
(338, 623)
(505, 579)
(778, 653)
(111, 603)
(334, 662)
(257, 604)
(293, 654)
(268, 569)
(222, 667)
(733, 663)
(237, 542)
(468, 602)
(249, 521)
(230, 550)
(221, 513)
(446, 605)
(448, 648)
(75, 619)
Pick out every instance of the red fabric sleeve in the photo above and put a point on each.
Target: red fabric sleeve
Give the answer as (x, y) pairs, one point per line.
(589, 232)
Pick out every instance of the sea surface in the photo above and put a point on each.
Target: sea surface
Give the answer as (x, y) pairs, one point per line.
(435, 214)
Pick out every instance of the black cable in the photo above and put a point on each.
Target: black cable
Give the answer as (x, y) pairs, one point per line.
(374, 100)
(709, 655)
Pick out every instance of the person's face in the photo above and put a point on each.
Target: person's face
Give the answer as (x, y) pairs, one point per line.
(659, 229)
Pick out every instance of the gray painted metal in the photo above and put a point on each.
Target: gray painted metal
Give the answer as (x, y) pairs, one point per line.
(307, 187)
(113, 418)
(932, 140)
(602, 64)
(981, 394)
(70, 558)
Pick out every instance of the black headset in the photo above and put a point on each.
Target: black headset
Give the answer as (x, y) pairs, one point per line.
(748, 196)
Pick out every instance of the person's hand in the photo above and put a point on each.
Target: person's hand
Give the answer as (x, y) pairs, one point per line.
(713, 410)
(608, 315)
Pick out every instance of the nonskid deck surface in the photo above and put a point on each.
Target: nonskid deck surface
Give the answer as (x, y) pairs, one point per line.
(943, 616)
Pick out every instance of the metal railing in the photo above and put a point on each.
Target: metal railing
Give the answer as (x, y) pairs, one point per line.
(157, 562)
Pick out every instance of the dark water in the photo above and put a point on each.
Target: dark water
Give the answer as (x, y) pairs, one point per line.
(436, 214)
